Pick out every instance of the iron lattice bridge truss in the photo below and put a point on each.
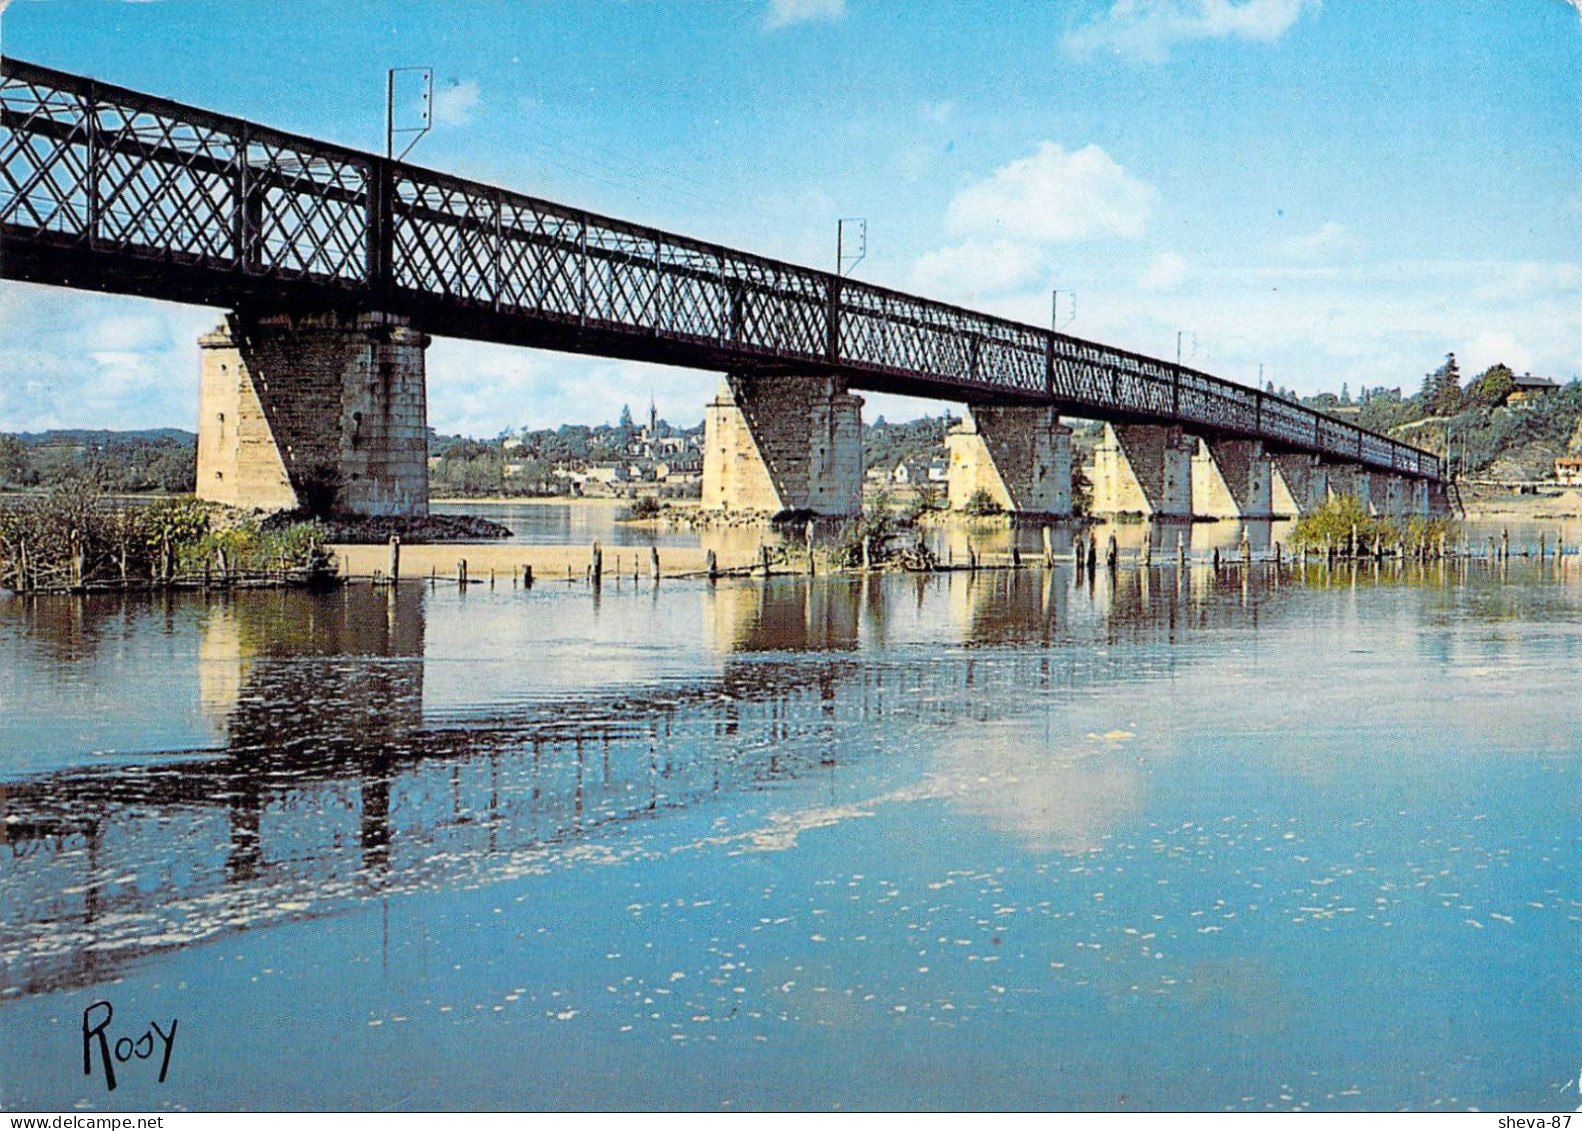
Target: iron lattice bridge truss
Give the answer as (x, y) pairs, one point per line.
(104, 188)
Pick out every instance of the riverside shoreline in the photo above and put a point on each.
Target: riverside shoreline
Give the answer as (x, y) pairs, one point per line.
(1556, 504)
(548, 562)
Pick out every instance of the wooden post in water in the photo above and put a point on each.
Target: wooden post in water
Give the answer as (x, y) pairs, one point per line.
(1215, 559)
(1080, 554)
(713, 565)
(972, 557)
(1505, 543)
(1112, 554)
(596, 565)
(395, 558)
(867, 552)
(1277, 553)
(433, 575)
(1543, 550)
(1016, 552)
(1093, 554)
(527, 577)
(1148, 548)
(1181, 554)
(461, 573)
(1049, 549)
(653, 561)
(763, 558)
(1246, 548)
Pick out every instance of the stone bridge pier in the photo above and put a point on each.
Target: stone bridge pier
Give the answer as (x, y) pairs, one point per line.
(1231, 479)
(1299, 484)
(314, 410)
(1020, 456)
(1358, 482)
(779, 442)
(1143, 469)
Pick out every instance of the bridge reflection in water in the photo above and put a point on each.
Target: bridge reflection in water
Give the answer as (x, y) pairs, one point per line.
(335, 782)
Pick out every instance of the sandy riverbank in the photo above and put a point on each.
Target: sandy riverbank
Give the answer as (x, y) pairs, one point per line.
(1485, 504)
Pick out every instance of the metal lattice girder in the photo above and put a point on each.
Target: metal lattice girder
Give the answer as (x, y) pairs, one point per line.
(107, 188)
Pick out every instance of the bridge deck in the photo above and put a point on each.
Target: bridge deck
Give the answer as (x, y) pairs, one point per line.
(104, 188)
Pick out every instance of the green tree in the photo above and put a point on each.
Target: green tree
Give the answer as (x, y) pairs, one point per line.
(1492, 386)
(1441, 395)
(13, 462)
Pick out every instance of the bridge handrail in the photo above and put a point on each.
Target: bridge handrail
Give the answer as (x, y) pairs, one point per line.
(267, 203)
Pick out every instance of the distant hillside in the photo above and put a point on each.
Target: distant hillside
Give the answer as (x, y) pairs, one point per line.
(148, 459)
(82, 437)
(1498, 425)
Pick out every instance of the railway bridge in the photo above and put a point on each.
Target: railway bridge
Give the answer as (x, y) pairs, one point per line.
(335, 266)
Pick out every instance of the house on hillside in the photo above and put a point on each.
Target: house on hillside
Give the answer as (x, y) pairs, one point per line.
(1530, 388)
(1568, 471)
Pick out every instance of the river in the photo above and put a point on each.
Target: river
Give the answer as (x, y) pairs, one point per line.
(1288, 839)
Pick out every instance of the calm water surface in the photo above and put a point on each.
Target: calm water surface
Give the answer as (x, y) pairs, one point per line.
(1307, 840)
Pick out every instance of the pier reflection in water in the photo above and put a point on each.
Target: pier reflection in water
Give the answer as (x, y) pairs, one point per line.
(343, 749)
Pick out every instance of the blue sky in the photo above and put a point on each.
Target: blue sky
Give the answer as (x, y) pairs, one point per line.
(1336, 192)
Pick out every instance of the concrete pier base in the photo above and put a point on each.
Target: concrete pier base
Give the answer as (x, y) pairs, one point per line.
(1230, 479)
(1391, 496)
(778, 443)
(1019, 456)
(1350, 479)
(1143, 469)
(1298, 484)
(319, 411)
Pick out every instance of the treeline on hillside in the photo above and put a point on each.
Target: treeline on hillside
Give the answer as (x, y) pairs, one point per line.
(884, 444)
(1476, 423)
(163, 459)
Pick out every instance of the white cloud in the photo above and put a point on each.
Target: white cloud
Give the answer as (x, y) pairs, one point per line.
(1167, 272)
(1577, 4)
(1494, 347)
(455, 101)
(73, 359)
(1146, 30)
(967, 270)
(1053, 197)
(1329, 240)
(783, 13)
